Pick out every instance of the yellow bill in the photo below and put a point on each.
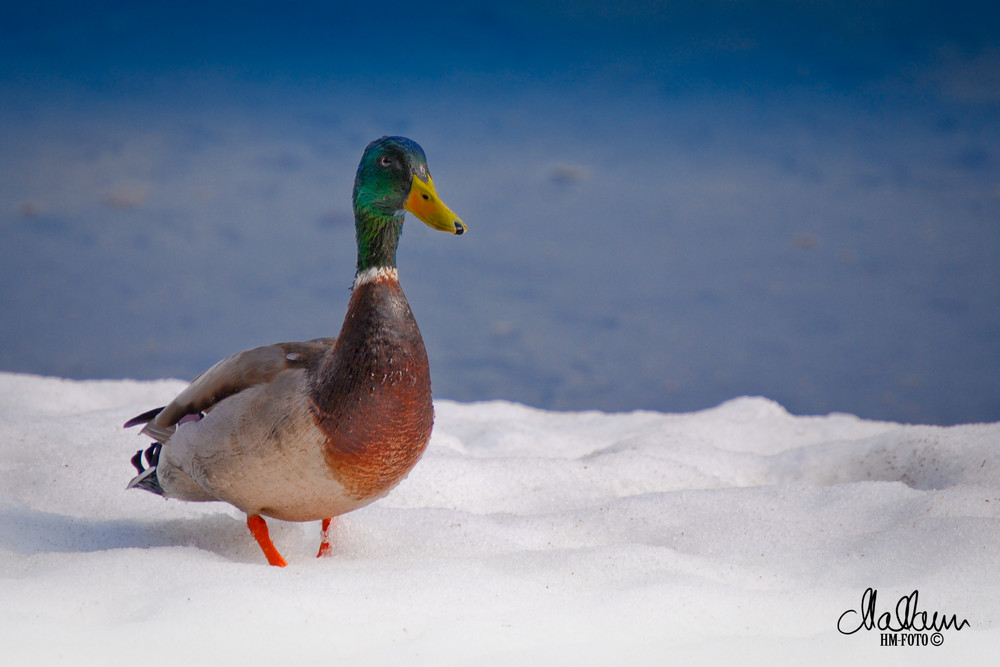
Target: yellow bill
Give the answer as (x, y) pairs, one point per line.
(426, 205)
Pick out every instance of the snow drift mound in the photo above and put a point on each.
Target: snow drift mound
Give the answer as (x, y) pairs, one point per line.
(724, 534)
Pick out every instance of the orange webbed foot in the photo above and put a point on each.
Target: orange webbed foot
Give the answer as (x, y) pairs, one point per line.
(324, 546)
(259, 531)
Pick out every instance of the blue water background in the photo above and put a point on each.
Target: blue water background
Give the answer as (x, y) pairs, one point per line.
(670, 204)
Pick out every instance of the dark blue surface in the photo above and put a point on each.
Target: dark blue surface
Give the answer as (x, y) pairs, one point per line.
(669, 204)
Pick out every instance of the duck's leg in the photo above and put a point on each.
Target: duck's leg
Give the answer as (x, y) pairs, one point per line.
(324, 547)
(259, 531)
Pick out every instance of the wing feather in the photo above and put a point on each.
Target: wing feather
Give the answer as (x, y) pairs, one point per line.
(228, 377)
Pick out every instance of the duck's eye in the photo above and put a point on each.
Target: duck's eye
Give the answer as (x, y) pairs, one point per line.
(385, 162)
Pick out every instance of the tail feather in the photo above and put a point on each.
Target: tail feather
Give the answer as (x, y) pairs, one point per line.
(146, 479)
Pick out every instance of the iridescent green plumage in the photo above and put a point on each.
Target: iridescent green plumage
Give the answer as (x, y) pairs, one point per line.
(383, 189)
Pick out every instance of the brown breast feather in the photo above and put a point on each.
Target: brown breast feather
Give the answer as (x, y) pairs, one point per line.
(372, 394)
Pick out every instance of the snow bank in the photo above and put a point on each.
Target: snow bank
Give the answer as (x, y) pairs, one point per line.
(737, 533)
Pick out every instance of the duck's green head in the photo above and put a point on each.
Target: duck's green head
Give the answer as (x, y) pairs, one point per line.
(393, 178)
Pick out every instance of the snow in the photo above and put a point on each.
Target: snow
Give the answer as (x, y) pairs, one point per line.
(738, 533)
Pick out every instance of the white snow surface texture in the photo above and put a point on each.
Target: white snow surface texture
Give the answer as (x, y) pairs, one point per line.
(735, 535)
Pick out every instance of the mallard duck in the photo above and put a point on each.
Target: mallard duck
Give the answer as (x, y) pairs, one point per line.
(308, 431)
